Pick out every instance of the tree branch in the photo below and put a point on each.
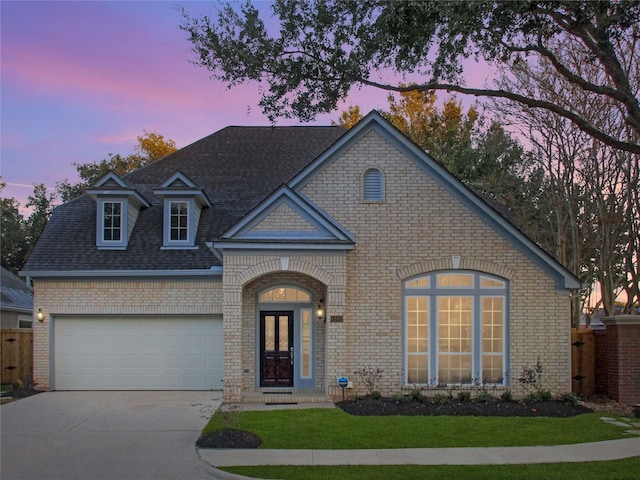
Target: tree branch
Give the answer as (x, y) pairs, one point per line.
(580, 122)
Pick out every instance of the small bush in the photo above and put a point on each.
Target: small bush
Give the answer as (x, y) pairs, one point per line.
(506, 396)
(369, 377)
(376, 395)
(464, 396)
(400, 399)
(544, 395)
(570, 398)
(485, 397)
(416, 395)
(539, 396)
(440, 398)
(530, 379)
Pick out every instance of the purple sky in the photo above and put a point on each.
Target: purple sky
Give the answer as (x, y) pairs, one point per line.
(84, 79)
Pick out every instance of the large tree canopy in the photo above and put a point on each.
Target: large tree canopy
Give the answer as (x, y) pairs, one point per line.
(326, 47)
(151, 146)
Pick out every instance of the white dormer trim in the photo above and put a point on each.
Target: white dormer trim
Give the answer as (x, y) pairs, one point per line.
(190, 190)
(326, 227)
(186, 192)
(107, 177)
(129, 203)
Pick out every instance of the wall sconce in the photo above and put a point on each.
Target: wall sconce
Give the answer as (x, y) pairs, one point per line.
(320, 311)
(40, 315)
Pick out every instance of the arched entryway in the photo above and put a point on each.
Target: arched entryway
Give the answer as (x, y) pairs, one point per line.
(288, 336)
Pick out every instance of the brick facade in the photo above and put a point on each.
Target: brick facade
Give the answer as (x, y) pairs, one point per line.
(59, 298)
(419, 227)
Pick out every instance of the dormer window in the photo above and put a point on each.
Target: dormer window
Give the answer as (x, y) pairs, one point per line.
(117, 208)
(112, 221)
(179, 221)
(183, 202)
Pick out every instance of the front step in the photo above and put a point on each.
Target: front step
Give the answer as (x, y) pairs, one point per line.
(285, 396)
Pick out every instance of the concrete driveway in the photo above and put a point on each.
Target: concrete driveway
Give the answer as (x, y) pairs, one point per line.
(105, 435)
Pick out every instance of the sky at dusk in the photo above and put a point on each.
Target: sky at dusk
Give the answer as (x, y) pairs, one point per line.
(82, 79)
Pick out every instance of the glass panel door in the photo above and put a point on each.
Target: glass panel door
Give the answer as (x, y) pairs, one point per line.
(276, 349)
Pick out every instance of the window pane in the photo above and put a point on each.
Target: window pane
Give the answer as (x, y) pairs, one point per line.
(111, 221)
(455, 280)
(284, 333)
(417, 324)
(270, 333)
(454, 368)
(267, 296)
(418, 283)
(454, 331)
(179, 221)
(491, 283)
(454, 324)
(303, 296)
(418, 368)
(285, 294)
(492, 369)
(306, 343)
(492, 324)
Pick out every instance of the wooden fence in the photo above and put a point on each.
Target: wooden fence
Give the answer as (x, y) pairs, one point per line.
(583, 370)
(16, 354)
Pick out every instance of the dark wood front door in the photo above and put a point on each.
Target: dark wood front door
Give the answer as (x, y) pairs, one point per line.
(276, 349)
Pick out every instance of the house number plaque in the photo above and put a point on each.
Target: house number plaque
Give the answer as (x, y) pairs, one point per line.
(337, 319)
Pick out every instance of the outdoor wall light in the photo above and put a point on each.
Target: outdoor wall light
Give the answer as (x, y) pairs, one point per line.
(320, 311)
(40, 315)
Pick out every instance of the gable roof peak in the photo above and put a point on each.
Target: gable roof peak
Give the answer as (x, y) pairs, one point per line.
(108, 179)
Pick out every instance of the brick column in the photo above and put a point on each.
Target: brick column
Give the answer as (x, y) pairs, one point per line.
(621, 355)
(336, 339)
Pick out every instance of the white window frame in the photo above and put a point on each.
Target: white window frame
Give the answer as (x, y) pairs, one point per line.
(189, 243)
(433, 292)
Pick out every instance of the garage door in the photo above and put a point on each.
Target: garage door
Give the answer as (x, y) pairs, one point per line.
(137, 353)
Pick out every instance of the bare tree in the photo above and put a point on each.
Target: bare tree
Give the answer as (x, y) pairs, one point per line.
(591, 185)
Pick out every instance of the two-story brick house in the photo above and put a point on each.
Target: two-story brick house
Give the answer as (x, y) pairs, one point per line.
(272, 260)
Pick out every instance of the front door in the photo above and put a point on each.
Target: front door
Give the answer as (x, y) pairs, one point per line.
(276, 349)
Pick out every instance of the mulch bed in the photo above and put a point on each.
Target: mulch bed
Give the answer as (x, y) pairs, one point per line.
(229, 438)
(387, 406)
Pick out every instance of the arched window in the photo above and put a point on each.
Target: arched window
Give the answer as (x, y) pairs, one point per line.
(284, 294)
(373, 186)
(456, 329)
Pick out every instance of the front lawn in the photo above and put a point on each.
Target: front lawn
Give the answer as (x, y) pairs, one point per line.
(335, 429)
(627, 469)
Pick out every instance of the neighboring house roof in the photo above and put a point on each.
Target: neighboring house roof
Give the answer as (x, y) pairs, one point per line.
(236, 168)
(15, 295)
(239, 170)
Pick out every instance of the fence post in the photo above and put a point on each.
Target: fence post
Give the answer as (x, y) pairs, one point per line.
(622, 370)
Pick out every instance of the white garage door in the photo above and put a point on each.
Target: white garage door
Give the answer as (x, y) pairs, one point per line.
(137, 353)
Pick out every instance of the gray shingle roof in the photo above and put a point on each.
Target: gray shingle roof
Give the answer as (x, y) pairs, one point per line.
(15, 295)
(236, 167)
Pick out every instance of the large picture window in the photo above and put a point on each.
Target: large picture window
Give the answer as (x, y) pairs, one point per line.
(456, 329)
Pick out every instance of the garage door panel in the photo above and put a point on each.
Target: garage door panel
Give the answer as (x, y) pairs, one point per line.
(136, 353)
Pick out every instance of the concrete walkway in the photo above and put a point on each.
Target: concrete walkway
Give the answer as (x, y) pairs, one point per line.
(585, 452)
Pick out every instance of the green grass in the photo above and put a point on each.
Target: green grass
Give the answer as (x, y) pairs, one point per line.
(335, 429)
(628, 469)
